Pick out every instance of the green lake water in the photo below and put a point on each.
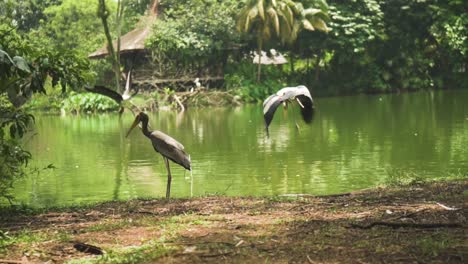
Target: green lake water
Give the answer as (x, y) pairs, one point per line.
(353, 143)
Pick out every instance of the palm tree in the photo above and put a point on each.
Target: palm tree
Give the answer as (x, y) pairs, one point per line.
(264, 18)
(310, 19)
(284, 18)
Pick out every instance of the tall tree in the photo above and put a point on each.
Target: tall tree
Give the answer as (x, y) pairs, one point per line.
(283, 19)
(263, 18)
(24, 70)
(314, 18)
(104, 13)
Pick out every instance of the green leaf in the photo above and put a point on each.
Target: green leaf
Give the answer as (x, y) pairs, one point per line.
(21, 64)
(3, 54)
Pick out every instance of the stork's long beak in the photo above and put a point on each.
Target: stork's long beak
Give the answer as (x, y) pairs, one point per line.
(135, 123)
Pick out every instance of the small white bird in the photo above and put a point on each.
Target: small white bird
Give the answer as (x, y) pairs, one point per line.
(197, 84)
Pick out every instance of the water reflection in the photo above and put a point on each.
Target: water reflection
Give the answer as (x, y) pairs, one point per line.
(350, 145)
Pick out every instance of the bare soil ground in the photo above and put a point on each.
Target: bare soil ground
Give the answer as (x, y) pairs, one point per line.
(414, 224)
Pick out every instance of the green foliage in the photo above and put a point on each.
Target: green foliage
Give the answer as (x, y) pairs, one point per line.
(382, 46)
(25, 14)
(71, 25)
(88, 103)
(241, 79)
(355, 25)
(13, 158)
(279, 20)
(26, 236)
(146, 252)
(25, 67)
(24, 70)
(432, 247)
(374, 46)
(399, 177)
(74, 25)
(200, 29)
(133, 10)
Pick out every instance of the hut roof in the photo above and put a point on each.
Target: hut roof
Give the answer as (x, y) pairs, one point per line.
(274, 58)
(135, 39)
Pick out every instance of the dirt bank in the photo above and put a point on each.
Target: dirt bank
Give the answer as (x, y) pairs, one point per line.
(415, 224)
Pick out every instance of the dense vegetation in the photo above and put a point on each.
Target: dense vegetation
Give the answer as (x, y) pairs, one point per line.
(360, 46)
(339, 47)
(373, 46)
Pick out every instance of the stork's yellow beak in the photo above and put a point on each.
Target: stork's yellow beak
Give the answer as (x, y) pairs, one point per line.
(135, 123)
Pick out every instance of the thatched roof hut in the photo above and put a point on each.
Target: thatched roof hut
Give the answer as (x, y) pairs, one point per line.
(151, 72)
(134, 40)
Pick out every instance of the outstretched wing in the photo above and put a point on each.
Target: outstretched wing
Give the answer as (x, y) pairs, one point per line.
(269, 107)
(106, 92)
(300, 93)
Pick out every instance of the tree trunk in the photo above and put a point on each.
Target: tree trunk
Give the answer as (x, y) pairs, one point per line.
(317, 67)
(103, 13)
(259, 52)
(291, 63)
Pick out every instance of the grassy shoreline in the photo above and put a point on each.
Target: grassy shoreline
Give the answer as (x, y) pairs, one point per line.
(217, 229)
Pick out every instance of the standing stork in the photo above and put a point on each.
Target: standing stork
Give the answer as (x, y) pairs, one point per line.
(118, 98)
(168, 147)
(300, 94)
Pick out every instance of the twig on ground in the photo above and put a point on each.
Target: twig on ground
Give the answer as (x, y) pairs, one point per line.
(448, 208)
(9, 261)
(216, 255)
(406, 215)
(145, 212)
(409, 225)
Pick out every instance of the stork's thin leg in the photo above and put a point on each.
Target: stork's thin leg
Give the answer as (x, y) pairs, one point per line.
(299, 102)
(169, 179)
(191, 184)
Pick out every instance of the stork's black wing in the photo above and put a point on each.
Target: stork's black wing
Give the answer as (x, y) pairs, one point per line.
(269, 107)
(307, 103)
(106, 92)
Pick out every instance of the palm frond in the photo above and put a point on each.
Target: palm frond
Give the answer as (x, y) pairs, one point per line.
(274, 19)
(261, 9)
(319, 24)
(295, 32)
(266, 33)
(274, 3)
(312, 11)
(307, 25)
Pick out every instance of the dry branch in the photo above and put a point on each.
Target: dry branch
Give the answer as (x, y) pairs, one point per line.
(8, 261)
(408, 225)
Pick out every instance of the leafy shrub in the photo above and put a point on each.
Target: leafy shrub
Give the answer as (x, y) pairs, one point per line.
(88, 103)
(13, 158)
(242, 79)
